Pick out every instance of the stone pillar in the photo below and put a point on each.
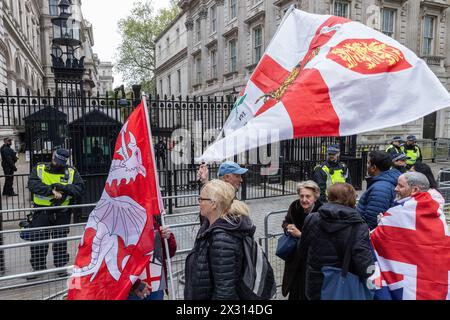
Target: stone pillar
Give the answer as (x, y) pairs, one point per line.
(413, 26)
(220, 42)
(191, 67)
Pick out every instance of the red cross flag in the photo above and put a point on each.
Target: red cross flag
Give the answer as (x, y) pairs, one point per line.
(118, 242)
(412, 244)
(328, 76)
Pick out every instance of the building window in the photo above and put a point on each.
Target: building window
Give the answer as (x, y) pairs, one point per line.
(388, 21)
(160, 87)
(179, 80)
(257, 44)
(198, 70)
(213, 56)
(159, 50)
(213, 19)
(177, 40)
(233, 8)
(341, 9)
(53, 7)
(233, 66)
(168, 45)
(169, 84)
(428, 35)
(198, 31)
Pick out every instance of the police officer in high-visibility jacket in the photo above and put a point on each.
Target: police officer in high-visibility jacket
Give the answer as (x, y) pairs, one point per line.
(412, 151)
(330, 172)
(395, 148)
(53, 184)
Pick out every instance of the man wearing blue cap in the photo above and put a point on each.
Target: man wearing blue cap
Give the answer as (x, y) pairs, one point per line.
(395, 148)
(229, 171)
(412, 151)
(52, 184)
(330, 172)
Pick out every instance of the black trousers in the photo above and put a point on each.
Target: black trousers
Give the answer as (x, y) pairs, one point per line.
(39, 252)
(9, 179)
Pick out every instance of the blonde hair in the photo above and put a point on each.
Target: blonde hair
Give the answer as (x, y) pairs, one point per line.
(309, 185)
(224, 195)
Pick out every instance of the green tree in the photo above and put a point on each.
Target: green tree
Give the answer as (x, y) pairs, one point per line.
(136, 53)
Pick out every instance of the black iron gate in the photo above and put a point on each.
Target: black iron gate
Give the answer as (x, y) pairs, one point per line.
(181, 127)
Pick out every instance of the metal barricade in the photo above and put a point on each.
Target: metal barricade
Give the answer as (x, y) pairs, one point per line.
(272, 232)
(442, 150)
(52, 283)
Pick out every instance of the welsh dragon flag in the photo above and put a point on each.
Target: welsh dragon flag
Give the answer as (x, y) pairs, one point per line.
(324, 75)
(119, 244)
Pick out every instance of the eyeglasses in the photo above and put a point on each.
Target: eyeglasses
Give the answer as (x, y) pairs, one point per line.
(200, 199)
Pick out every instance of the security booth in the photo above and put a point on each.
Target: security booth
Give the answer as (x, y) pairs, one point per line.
(45, 130)
(93, 137)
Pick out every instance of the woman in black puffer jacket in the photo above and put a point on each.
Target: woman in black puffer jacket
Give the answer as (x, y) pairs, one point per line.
(325, 234)
(213, 267)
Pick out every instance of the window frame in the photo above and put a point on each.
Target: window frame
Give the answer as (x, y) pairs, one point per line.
(198, 70)
(232, 58)
(213, 15)
(259, 46)
(342, 2)
(431, 45)
(394, 21)
(213, 62)
(232, 9)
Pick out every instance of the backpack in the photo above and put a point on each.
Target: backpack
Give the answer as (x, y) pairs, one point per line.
(258, 280)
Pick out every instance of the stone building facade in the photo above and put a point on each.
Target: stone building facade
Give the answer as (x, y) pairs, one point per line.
(106, 79)
(171, 59)
(226, 38)
(26, 34)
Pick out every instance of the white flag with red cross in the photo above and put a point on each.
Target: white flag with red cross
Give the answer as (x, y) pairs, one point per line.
(324, 75)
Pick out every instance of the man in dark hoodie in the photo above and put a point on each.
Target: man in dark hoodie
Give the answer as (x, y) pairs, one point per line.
(380, 193)
(326, 234)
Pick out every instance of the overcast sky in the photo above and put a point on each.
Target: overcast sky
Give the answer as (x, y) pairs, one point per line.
(104, 15)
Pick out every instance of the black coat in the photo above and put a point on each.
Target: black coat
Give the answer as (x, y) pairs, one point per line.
(36, 186)
(213, 267)
(325, 230)
(294, 270)
(9, 159)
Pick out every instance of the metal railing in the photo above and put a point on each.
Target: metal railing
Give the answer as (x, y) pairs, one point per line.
(51, 285)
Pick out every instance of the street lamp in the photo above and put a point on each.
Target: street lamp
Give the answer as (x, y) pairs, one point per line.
(66, 40)
(123, 102)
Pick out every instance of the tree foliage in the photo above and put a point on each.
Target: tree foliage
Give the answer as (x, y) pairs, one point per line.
(139, 30)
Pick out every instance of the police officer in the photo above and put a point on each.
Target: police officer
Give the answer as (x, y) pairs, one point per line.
(53, 184)
(330, 172)
(395, 148)
(399, 162)
(9, 159)
(412, 151)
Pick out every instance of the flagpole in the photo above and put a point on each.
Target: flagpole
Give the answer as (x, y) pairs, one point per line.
(158, 193)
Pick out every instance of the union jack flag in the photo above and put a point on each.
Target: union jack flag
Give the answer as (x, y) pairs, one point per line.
(412, 245)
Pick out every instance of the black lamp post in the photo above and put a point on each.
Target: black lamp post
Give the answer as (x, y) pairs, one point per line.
(66, 67)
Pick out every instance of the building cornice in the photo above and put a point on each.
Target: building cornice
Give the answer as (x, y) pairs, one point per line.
(173, 60)
(435, 5)
(259, 15)
(233, 31)
(177, 18)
